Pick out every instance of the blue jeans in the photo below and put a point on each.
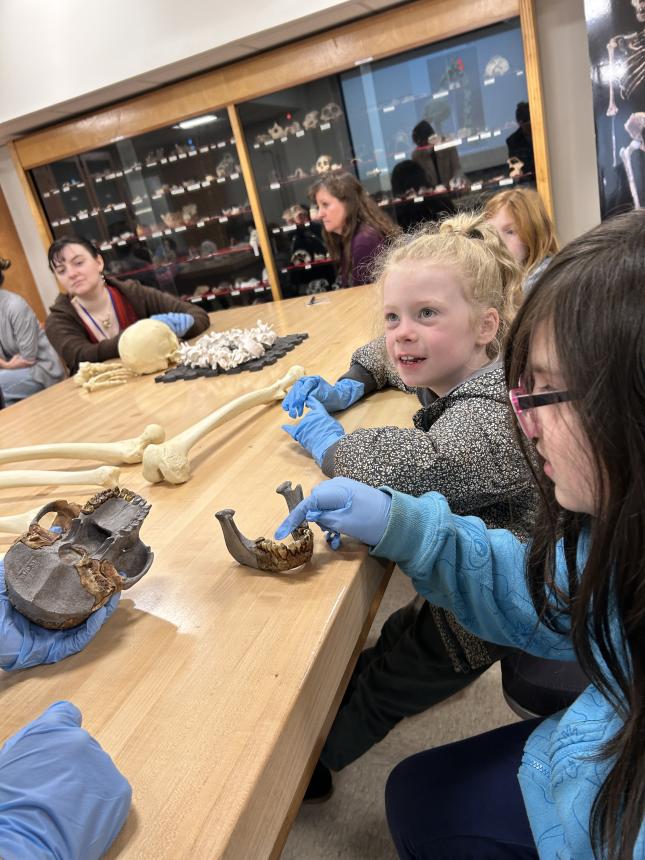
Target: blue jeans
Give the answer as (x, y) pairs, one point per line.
(18, 383)
(462, 801)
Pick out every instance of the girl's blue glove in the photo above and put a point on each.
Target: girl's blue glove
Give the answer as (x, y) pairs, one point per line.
(179, 323)
(316, 431)
(23, 644)
(342, 506)
(333, 397)
(60, 794)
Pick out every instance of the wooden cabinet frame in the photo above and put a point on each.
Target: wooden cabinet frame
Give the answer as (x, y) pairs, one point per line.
(381, 35)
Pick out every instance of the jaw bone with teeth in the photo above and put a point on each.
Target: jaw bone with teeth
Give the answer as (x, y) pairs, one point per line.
(266, 554)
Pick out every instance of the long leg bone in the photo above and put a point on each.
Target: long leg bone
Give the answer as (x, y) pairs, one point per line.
(266, 554)
(18, 523)
(104, 476)
(114, 453)
(169, 461)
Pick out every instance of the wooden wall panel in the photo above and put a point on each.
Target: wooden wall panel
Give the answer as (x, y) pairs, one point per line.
(18, 278)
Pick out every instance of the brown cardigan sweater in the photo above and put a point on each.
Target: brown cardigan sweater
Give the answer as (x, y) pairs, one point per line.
(68, 335)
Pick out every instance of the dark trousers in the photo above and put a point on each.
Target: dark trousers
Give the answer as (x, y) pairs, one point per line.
(405, 673)
(462, 801)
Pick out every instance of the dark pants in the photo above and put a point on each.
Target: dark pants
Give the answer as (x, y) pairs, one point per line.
(405, 673)
(462, 801)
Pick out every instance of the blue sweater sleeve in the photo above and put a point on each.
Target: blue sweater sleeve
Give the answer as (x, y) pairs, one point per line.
(477, 573)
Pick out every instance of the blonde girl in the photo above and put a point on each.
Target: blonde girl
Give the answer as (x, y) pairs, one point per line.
(449, 295)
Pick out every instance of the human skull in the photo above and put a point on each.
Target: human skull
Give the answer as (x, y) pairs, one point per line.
(292, 128)
(330, 111)
(514, 166)
(276, 131)
(300, 257)
(226, 165)
(323, 164)
(58, 579)
(148, 346)
(311, 120)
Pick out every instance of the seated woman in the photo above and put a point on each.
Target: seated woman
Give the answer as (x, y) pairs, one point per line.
(86, 321)
(354, 227)
(525, 228)
(28, 362)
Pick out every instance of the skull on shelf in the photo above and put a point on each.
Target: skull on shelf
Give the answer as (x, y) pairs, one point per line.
(263, 138)
(276, 131)
(515, 166)
(323, 164)
(299, 173)
(330, 112)
(300, 257)
(226, 165)
(293, 127)
(311, 120)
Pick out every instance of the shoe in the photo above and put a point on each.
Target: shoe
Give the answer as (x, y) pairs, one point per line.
(321, 786)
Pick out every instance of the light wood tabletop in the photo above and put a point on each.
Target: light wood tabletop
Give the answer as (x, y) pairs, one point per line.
(212, 685)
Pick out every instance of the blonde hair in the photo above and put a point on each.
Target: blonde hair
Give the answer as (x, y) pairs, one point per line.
(467, 244)
(532, 222)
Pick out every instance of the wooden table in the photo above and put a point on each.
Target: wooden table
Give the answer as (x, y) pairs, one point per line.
(213, 685)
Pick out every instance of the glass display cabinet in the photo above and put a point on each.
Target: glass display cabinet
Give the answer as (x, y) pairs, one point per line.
(215, 207)
(168, 208)
(426, 132)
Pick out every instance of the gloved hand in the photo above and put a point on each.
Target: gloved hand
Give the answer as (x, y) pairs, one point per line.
(61, 795)
(23, 644)
(333, 397)
(343, 506)
(179, 323)
(316, 431)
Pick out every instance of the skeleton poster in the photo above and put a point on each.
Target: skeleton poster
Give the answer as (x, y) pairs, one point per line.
(616, 31)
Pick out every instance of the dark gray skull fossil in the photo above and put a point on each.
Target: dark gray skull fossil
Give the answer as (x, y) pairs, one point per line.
(59, 579)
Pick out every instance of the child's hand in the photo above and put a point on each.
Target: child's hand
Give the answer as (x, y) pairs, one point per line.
(343, 506)
(333, 397)
(316, 432)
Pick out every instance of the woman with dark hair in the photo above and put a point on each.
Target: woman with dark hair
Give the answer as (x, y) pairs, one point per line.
(28, 362)
(354, 227)
(86, 321)
(575, 364)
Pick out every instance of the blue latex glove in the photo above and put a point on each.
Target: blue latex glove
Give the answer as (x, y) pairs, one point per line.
(333, 397)
(316, 431)
(179, 323)
(23, 644)
(60, 793)
(342, 506)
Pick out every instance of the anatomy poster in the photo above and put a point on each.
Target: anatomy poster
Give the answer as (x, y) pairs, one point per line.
(616, 30)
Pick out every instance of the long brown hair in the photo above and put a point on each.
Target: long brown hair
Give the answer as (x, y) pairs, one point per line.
(591, 299)
(534, 227)
(360, 210)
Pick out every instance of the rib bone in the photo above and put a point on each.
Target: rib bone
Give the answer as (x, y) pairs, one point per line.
(115, 453)
(104, 476)
(169, 461)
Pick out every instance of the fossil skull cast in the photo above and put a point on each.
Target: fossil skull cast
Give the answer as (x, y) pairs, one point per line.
(266, 554)
(148, 346)
(323, 164)
(58, 580)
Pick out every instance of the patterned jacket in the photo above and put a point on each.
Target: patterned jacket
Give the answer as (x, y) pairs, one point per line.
(461, 445)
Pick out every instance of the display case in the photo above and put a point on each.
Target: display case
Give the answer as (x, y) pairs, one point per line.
(426, 132)
(174, 198)
(169, 208)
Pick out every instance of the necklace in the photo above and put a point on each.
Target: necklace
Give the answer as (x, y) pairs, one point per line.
(105, 322)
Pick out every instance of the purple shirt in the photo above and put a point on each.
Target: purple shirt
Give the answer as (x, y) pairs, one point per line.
(366, 244)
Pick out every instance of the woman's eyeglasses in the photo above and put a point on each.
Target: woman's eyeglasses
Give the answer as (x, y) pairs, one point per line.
(525, 404)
